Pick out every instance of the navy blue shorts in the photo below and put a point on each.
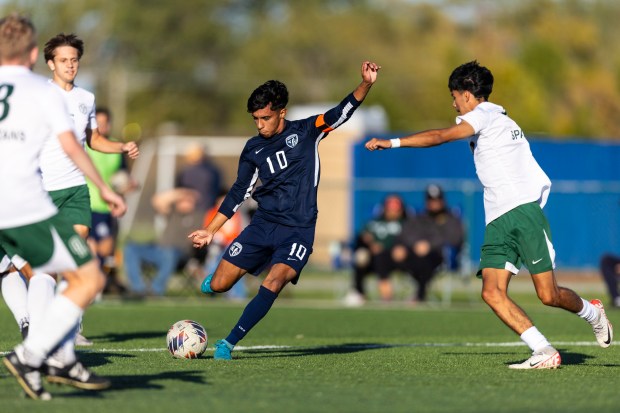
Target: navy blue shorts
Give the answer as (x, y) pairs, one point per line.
(103, 226)
(263, 244)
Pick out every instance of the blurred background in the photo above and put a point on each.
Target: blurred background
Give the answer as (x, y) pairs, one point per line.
(179, 73)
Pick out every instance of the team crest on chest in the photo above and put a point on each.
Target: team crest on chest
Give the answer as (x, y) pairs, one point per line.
(291, 140)
(235, 249)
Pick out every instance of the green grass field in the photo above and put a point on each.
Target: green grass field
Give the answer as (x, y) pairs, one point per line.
(311, 356)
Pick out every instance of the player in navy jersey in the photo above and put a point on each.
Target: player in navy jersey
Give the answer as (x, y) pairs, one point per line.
(284, 156)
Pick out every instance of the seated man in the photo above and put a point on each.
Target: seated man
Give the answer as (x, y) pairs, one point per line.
(165, 253)
(373, 250)
(420, 247)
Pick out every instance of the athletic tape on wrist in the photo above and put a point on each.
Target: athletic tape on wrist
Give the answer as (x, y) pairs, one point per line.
(395, 142)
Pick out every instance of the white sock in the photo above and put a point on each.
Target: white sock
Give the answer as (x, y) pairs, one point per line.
(534, 339)
(15, 294)
(62, 286)
(41, 292)
(588, 312)
(61, 317)
(65, 355)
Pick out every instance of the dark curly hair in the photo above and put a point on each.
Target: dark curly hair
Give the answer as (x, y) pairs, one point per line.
(272, 91)
(473, 78)
(62, 40)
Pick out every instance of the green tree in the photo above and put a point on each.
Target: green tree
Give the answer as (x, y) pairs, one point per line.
(195, 62)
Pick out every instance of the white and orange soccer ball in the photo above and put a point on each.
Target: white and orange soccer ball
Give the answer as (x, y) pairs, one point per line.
(187, 339)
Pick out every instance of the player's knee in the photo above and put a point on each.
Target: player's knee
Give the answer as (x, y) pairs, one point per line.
(88, 278)
(100, 281)
(487, 296)
(550, 298)
(275, 284)
(93, 283)
(492, 296)
(220, 285)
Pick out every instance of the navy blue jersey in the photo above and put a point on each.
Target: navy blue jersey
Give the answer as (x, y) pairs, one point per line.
(288, 167)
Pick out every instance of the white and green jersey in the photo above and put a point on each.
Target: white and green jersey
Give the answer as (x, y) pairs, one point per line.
(504, 162)
(57, 169)
(31, 113)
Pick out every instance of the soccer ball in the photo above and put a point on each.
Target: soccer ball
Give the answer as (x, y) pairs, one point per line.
(187, 339)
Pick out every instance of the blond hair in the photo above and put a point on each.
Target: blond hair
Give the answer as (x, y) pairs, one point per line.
(17, 37)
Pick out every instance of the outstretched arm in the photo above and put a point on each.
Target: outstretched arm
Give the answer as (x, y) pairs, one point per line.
(338, 115)
(100, 143)
(432, 137)
(369, 77)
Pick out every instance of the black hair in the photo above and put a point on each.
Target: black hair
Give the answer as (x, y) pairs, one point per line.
(103, 111)
(272, 91)
(473, 78)
(62, 40)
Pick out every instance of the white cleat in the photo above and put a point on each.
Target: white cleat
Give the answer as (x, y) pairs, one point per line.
(547, 358)
(80, 340)
(603, 330)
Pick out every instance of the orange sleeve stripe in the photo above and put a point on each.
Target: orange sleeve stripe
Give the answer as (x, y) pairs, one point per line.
(209, 216)
(321, 125)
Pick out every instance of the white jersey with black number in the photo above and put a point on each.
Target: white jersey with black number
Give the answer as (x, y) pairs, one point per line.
(31, 113)
(504, 162)
(57, 169)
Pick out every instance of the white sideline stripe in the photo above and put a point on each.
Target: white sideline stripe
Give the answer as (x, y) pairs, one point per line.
(348, 346)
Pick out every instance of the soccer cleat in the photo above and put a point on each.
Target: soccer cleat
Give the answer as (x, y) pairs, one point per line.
(80, 340)
(222, 350)
(603, 330)
(547, 358)
(27, 377)
(76, 375)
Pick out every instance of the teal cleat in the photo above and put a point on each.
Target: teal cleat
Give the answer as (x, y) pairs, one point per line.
(222, 350)
(205, 287)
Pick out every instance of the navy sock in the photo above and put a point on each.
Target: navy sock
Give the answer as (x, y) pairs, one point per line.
(253, 313)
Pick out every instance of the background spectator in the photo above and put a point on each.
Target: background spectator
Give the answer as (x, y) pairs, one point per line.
(427, 240)
(200, 174)
(170, 248)
(373, 250)
(113, 169)
(610, 268)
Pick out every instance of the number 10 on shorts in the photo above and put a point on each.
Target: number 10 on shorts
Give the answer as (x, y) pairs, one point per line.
(298, 251)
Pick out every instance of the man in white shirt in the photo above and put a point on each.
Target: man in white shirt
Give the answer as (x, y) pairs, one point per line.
(30, 227)
(515, 191)
(61, 178)
(64, 182)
